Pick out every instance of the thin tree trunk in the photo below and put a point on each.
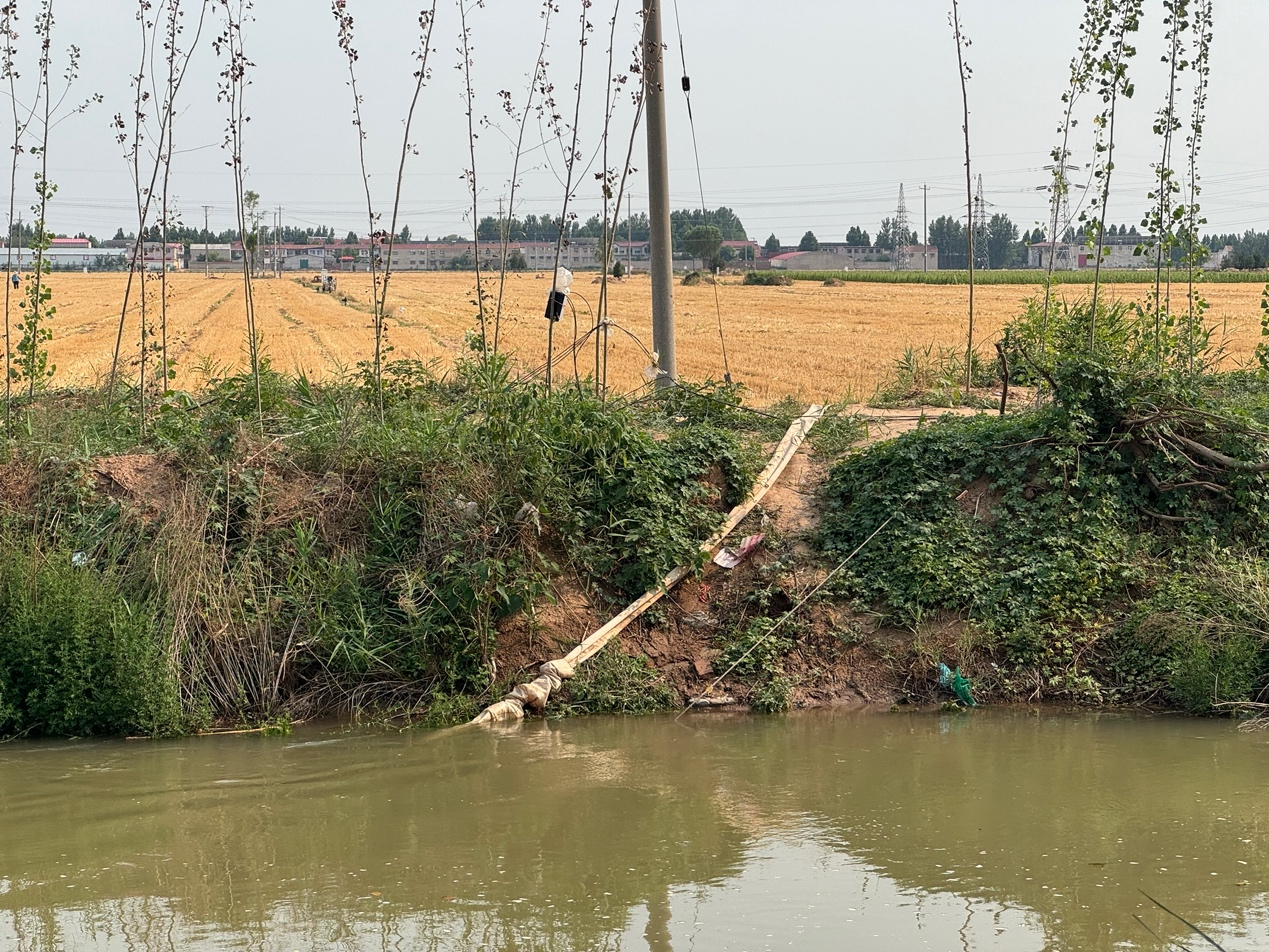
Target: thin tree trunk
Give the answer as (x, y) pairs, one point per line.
(232, 90)
(1202, 67)
(1163, 221)
(471, 173)
(427, 19)
(969, 188)
(20, 128)
(345, 22)
(606, 241)
(1093, 31)
(176, 67)
(1128, 13)
(538, 76)
(40, 227)
(570, 165)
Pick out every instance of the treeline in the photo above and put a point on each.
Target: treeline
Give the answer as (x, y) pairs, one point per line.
(200, 236)
(22, 236)
(1251, 249)
(634, 228)
(999, 243)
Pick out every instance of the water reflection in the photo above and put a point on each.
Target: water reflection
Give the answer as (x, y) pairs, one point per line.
(1002, 831)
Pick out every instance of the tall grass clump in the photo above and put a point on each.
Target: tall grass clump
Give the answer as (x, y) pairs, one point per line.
(77, 657)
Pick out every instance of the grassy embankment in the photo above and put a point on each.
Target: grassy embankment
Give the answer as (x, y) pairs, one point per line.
(225, 567)
(1108, 546)
(322, 560)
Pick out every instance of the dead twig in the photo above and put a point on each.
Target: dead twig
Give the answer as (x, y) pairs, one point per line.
(1215, 456)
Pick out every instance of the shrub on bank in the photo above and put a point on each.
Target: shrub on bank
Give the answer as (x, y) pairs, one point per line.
(1097, 540)
(77, 658)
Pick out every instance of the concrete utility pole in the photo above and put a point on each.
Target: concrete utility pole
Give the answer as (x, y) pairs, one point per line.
(925, 228)
(659, 198)
(206, 243)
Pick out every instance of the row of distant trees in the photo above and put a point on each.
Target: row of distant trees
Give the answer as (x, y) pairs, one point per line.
(1000, 243)
(634, 228)
(701, 234)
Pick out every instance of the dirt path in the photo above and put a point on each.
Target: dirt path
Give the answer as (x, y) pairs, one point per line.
(681, 637)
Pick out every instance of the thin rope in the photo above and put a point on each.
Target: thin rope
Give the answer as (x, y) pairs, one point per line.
(784, 618)
(700, 182)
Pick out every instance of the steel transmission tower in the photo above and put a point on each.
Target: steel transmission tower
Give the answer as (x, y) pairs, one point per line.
(1062, 199)
(900, 257)
(982, 259)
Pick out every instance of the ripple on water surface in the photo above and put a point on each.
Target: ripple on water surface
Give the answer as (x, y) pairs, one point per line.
(993, 831)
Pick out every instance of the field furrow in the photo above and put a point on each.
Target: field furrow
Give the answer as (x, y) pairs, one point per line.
(807, 340)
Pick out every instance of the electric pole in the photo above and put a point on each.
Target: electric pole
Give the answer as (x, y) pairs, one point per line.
(659, 198)
(206, 243)
(925, 228)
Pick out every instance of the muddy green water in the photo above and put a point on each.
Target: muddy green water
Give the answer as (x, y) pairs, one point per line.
(992, 831)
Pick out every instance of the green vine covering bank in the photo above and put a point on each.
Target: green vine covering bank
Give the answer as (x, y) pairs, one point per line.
(1107, 546)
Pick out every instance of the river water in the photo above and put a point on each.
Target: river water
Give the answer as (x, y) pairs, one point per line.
(995, 830)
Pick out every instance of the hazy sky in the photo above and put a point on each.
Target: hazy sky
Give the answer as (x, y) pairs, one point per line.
(810, 113)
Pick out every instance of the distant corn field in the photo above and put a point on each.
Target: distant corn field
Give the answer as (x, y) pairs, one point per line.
(1028, 277)
(807, 340)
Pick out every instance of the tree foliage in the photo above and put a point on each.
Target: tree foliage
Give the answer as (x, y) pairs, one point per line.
(635, 228)
(1251, 249)
(704, 242)
(948, 235)
(858, 238)
(890, 236)
(1003, 247)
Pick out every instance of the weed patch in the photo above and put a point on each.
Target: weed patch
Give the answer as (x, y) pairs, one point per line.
(614, 682)
(78, 658)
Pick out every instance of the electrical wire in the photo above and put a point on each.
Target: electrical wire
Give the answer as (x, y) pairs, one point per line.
(700, 182)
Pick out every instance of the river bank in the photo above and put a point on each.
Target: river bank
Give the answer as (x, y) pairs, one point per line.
(244, 563)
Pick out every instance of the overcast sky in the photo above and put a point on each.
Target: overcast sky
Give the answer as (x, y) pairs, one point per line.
(810, 113)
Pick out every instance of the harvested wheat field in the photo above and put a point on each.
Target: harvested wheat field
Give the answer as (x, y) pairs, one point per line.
(809, 341)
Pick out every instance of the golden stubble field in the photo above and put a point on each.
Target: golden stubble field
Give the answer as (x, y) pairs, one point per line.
(808, 341)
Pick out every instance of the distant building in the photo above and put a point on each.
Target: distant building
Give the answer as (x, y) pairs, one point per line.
(312, 256)
(1121, 252)
(859, 258)
(211, 257)
(745, 253)
(155, 256)
(75, 255)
